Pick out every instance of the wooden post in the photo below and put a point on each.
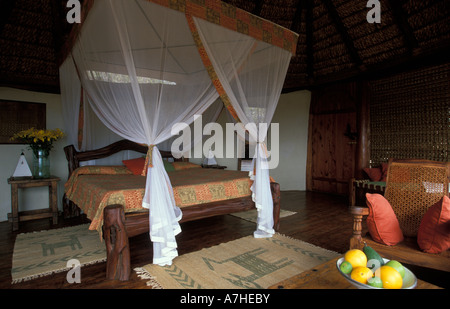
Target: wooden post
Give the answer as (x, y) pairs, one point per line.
(15, 206)
(53, 197)
(276, 196)
(358, 213)
(352, 192)
(117, 247)
(363, 124)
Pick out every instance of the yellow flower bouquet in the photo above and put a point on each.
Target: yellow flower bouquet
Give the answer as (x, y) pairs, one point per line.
(39, 139)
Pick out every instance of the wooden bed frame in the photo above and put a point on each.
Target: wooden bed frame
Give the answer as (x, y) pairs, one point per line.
(118, 226)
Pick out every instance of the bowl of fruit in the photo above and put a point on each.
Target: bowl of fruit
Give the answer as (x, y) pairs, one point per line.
(366, 269)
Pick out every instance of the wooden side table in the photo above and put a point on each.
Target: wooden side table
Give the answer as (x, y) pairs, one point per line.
(21, 182)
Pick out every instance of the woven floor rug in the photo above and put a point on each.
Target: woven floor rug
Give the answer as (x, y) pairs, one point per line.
(251, 215)
(42, 253)
(247, 262)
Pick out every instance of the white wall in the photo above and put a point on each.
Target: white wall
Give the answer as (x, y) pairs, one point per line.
(292, 115)
(32, 198)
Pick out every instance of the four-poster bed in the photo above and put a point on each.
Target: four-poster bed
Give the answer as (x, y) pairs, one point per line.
(146, 68)
(120, 223)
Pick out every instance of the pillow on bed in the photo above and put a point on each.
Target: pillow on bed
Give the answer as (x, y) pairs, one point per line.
(184, 165)
(136, 166)
(382, 222)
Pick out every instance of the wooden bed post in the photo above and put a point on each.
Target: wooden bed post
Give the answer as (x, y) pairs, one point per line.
(118, 265)
(276, 196)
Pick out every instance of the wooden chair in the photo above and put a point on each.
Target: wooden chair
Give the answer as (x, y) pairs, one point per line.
(412, 186)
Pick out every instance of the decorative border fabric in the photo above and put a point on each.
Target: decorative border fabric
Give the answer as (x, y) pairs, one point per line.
(214, 11)
(235, 19)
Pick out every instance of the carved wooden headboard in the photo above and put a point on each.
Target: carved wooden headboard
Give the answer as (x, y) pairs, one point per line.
(74, 157)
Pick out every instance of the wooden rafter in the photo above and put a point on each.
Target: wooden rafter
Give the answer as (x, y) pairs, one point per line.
(403, 25)
(297, 20)
(309, 38)
(56, 28)
(258, 7)
(6, 8)
(343, 32)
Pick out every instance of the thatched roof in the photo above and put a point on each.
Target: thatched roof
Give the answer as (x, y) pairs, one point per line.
(335, 40)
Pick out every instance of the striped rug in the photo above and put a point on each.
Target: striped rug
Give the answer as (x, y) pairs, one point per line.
(43, 253)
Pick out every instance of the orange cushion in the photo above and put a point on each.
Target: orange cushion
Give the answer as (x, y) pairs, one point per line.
(384, 170)
(136, 166)
(434, 230)
(382, 222)
(374, 173)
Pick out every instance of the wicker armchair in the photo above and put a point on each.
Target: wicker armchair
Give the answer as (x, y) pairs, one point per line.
(412, 187)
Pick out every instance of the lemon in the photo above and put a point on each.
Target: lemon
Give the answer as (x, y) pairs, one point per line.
(356, 257)
(397, 266)
(346, 267)
(361, 274)
(390, 277)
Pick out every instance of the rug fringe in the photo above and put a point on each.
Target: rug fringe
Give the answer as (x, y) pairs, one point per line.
(56, 271)
(145, 275)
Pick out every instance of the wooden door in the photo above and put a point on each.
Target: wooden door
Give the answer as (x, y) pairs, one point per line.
(332, 138)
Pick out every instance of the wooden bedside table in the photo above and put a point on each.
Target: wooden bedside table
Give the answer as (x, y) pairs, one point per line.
(51, 212)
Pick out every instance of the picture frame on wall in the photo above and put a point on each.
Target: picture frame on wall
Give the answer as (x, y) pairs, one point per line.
(16, 116)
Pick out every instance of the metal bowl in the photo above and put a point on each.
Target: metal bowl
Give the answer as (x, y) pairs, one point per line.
(409, 280)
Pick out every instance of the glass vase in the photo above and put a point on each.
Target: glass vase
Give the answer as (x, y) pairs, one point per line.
(41, 164)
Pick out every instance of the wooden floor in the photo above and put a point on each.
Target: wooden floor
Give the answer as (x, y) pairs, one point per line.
(321, 219)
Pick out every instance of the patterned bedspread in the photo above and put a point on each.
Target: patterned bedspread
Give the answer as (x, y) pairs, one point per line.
(93, 188)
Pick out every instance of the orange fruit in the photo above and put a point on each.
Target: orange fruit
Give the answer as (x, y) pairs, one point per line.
(390, 277)
(397, 266)
(361, 274)
(356, 257)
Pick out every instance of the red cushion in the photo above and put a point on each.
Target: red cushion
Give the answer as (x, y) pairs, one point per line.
(382, 222)
(374, 173)
(136, 166)
(384, 170)
(434, 230)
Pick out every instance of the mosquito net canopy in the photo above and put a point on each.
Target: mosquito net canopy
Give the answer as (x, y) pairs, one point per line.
(147, 67)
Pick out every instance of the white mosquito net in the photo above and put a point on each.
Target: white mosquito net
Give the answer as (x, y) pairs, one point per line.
(146, 66)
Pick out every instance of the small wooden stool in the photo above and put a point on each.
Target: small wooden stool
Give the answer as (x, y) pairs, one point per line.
(20, 182)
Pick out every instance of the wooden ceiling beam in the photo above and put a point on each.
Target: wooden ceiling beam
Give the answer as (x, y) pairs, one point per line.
(309, 38)
(297, 20)
(343, 32)
(6, 7)
(57, 29)
(402, 22)
(258, 8)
